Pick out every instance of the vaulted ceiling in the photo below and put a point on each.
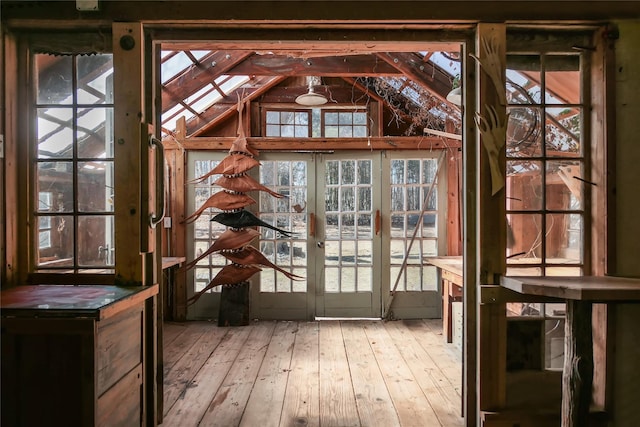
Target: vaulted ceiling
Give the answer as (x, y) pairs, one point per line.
(204, 85)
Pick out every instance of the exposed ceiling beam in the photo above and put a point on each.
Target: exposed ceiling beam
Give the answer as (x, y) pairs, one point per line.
(332, 66)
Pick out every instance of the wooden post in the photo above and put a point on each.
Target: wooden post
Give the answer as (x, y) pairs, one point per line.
(577, 377)
(492, 222)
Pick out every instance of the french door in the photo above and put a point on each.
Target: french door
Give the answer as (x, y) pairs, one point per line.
(357, 227)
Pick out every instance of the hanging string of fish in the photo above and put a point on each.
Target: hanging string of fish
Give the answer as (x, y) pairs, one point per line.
(234, 243)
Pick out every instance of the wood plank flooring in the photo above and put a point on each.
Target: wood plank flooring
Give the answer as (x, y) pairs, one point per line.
(330, 373)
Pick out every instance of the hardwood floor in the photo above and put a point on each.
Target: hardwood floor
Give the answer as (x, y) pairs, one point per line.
(326, 373)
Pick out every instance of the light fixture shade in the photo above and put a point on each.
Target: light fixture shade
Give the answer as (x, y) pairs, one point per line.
(455, 96)
(311, 98)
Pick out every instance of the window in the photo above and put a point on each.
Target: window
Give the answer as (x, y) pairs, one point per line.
(316, 123)
(74, 162)
(288, 124)
(414, 226)
(344, 124)
(546, 170)
(545, 165)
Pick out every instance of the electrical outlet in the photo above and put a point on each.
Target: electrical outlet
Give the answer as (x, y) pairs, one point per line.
(167, 222)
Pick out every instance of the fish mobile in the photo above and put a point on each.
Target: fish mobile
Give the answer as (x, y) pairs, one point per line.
(234, 243)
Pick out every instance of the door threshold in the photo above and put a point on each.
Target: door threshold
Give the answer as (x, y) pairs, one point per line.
(318, 318)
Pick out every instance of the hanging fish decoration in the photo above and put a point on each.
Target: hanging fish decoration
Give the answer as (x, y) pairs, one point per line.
(251, 256)
(233, 164)
(229, 240)
(244, 183)
(231, 274)
(223, 200)
(244, 218)
(241, 145)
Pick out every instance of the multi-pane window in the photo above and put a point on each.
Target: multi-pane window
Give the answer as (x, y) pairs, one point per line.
(288, 124)
(414, 227)
(546, 171)
(289, 178)
(316, 123)
(74, 162)
(344, 124)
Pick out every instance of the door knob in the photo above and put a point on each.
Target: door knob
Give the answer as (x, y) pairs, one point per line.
(320, 245)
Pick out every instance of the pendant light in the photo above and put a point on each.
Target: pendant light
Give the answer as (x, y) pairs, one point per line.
(311, 98)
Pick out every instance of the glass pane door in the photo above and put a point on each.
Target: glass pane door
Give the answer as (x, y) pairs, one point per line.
(350, 241)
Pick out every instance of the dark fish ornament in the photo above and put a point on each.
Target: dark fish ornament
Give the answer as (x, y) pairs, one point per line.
(244, 218)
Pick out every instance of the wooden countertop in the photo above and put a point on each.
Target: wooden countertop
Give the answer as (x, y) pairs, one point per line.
(583, 288)
(92, 301)
(451, 264)
(171, 261)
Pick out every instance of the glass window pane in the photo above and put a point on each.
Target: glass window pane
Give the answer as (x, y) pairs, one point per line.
(96, 240)
(348, 172)
(56, 178)
(365, 279)
(95, 79)
(564, 187)
(563, 131)
(95, 132)
(523, 79)
(60, 251)
(564, 238)
(331, 118)
(562, 79)
(348, 279)
(95, 186)
(332, 281)
(55, 133)
(524, 185)
(273, 117)
(524, 131)
(55, 79)
(525, 246)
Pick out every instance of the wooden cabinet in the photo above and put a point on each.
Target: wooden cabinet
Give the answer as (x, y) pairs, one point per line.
(73, 355)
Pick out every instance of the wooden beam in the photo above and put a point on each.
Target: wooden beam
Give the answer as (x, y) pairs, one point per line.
(13, 247)
(426, 74)
(492, 226)
(335, 66)
(321, 144)
(208, 69)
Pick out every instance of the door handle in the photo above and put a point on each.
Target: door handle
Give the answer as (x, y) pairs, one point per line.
(156, 217)
(378, 221)
(312, 225)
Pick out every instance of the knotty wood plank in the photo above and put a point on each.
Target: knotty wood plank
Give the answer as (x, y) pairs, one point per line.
(408, 398)
(179, 377)
(171, 331)
(302, 398)
(194, 401)
(443, 397)
(429, 334)
(182, 343)
(372, 397)
(229, 402)
(337, 402)
(267, 397)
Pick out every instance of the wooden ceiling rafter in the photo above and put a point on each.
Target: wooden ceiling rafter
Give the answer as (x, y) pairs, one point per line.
(194, 78)
(224, 110)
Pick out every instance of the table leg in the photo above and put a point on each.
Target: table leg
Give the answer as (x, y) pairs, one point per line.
(577, 377)
(447, 323)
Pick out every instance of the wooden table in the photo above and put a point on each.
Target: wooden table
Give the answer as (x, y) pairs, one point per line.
(73, 355)
(450, 272)
(579, 293)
